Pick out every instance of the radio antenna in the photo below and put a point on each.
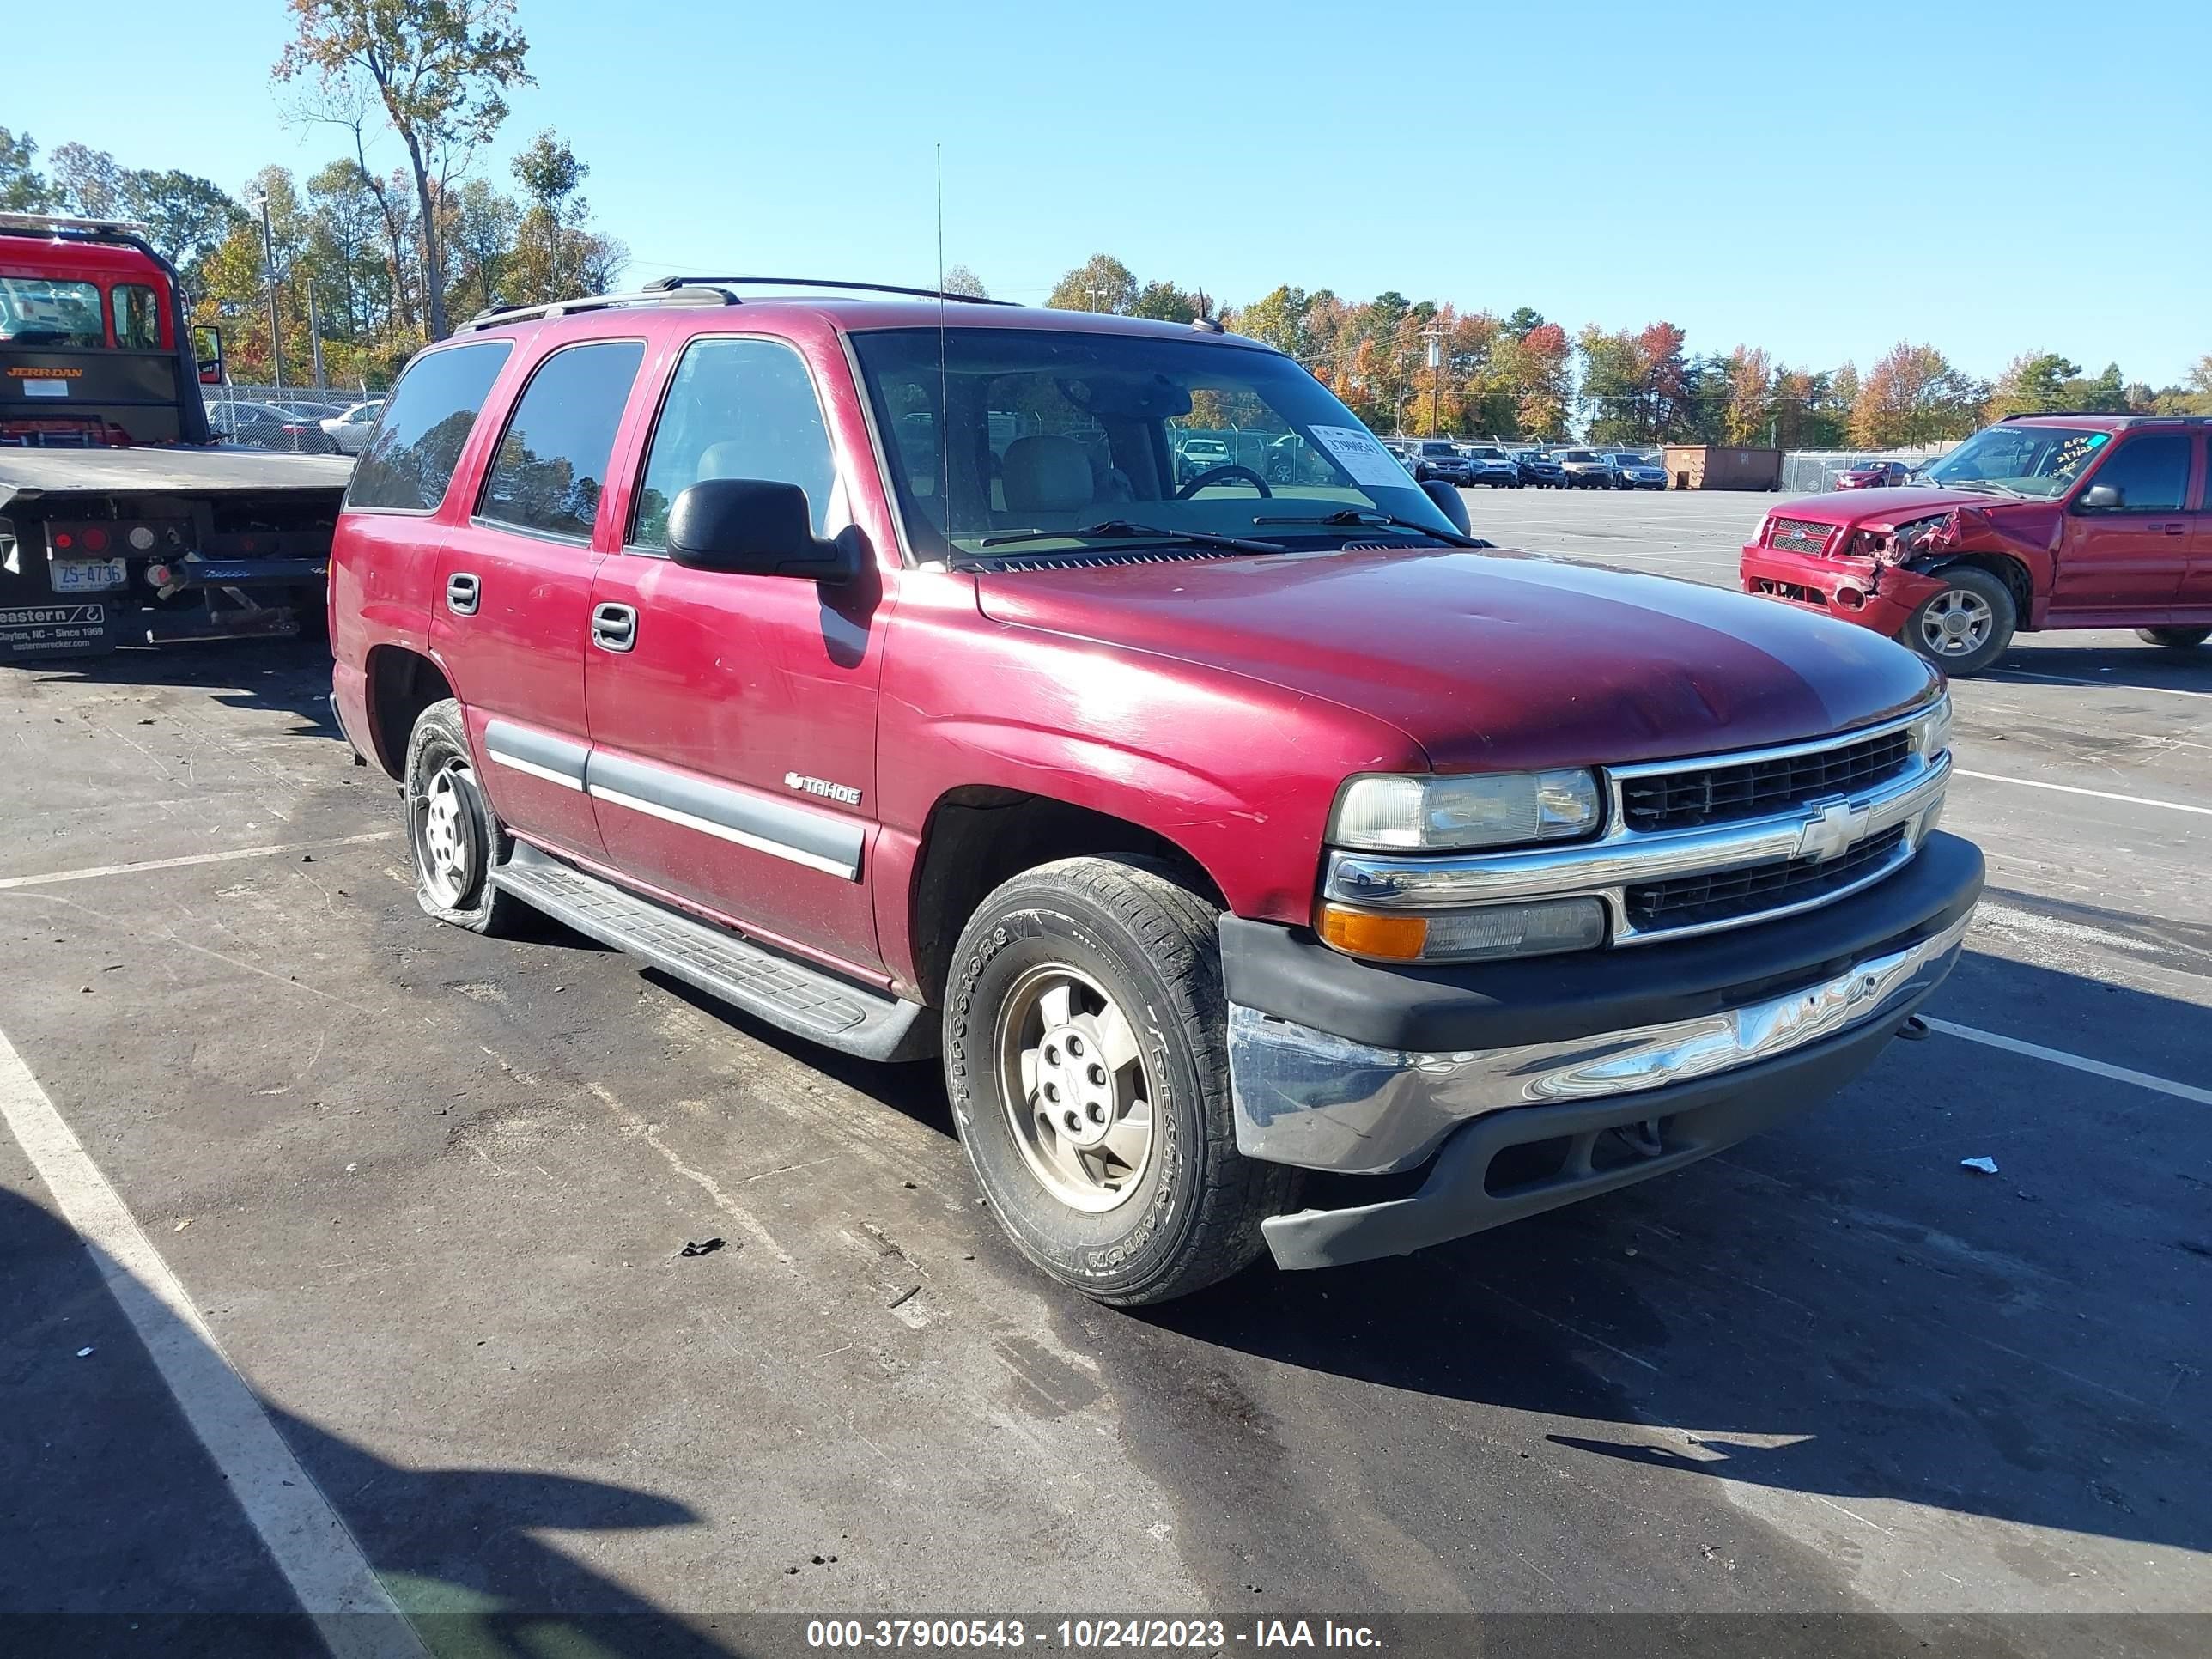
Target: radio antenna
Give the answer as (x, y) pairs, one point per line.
(943, 376)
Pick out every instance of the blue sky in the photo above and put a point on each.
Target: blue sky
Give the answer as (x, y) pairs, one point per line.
(1821, 180)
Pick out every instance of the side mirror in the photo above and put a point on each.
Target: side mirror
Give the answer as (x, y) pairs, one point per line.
(756, 527)
(2101, 498)
(207, 346)
(1451, 503)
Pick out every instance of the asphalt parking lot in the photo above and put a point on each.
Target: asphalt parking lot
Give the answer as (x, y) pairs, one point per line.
(429, 1194)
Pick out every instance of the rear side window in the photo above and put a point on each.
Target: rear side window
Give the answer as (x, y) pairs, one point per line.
(2150, 471)
(552, 464)
(410, 460)
(138, 317)
(737, 409)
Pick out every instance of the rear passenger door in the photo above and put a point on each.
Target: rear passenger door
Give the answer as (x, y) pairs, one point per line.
(514, 592)
(2129, 557)
(733, 716)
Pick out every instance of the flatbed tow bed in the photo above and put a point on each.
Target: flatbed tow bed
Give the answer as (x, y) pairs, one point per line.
(157, 545)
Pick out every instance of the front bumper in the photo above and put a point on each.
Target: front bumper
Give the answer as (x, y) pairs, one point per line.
(1876, 596)
(1354, 1068)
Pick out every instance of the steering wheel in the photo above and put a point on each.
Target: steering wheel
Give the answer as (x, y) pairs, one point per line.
(1214, 474)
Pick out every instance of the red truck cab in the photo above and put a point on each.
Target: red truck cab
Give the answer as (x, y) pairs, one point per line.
(93, 345)
(2045, 521)
(877, 666)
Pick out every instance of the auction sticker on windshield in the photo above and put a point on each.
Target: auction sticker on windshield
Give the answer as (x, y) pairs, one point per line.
(1360, 455)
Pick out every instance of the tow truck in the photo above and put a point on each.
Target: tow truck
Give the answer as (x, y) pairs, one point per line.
(122, 519)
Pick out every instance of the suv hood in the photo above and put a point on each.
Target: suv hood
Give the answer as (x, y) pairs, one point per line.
(1888, 506)
(1490, 662)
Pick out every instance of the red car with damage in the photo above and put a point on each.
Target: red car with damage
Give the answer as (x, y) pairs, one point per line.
(2045, 521)
(1275, 867)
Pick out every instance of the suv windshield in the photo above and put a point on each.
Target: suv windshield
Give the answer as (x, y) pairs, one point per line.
(45, 311)
(1444, 450)
(2020, 461)
(1060, 429)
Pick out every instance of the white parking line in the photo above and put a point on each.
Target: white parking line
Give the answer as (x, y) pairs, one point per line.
(2073, 789)
(311, 1545)
(2076, 1062)
(225, 857)
(2004, 674)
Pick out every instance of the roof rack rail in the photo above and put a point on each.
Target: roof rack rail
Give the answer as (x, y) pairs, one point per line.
(685, 293)
(672, 283)
(2129, 415)
(62, 224)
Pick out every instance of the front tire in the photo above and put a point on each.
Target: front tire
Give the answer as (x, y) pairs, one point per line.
(455, 836)
(1967, 626)
(2174, 639)
(1085, 1058)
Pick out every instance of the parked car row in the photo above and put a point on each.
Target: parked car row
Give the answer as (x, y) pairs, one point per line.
(1494, 466)
(302, 425)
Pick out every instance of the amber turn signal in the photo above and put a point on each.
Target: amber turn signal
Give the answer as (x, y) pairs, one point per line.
(1363, 934)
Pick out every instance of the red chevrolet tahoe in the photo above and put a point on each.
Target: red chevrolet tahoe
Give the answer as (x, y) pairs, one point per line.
(2040, 521)
(1274, 867)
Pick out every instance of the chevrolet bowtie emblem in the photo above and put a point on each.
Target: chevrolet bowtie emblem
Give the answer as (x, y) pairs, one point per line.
(1836, 826)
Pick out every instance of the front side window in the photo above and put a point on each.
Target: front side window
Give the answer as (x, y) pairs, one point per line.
(410, 461)
(45, 310)
(2022, 461)
(994, 432)
(137, 317)
(736, 409)
(552, 462)
(2151, 473)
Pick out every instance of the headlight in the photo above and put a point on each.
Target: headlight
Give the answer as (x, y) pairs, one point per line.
(1931, 733)
(1440, 814)
(1544, 928)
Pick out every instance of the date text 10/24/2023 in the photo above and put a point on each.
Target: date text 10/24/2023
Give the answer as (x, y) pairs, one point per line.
(1084, 1635)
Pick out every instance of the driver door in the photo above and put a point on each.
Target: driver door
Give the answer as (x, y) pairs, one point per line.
(2129, 557)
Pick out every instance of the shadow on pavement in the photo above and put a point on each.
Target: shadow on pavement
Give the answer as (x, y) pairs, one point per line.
(2151, 666)
(292, 676)
(1836, 1309)
(119, 1532)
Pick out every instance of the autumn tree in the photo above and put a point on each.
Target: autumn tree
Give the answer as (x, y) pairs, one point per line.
(1750, 405)
(1914, 396)
(1102, 282)
(87, 181)
(557, 254)
(1167, 303)
(438, 70)
(961, 280)
(482, 233)
(22, 188)
(1277, 318)
(2033, 383)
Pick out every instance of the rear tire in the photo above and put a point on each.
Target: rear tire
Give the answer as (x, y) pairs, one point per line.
(2174, 639)
(1085, 1058)
(454, 836)
(1965, 627)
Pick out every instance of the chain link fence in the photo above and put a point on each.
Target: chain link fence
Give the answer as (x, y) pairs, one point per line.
(1810, 471)
(281, 417)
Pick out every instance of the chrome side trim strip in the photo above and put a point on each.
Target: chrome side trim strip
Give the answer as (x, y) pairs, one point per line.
(803, 835)
(539, 754)
(1303, 1097)
(1779, 751)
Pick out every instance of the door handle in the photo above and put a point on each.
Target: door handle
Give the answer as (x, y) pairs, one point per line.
(463, 594)
(2173, 529)
(614, 626)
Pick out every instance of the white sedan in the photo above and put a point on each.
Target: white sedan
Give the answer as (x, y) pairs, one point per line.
(351, 430)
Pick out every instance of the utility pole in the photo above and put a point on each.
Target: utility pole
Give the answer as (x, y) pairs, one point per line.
(269, 266)
(1435, 337)
(315, 336)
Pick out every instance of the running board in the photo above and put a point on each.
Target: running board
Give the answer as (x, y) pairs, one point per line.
(787, 994)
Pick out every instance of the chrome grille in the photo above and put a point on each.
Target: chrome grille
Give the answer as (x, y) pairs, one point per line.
(1726, 793)
(1799, 535)
(1701, 900)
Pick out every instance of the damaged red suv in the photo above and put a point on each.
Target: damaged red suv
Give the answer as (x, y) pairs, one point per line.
(2039, 521)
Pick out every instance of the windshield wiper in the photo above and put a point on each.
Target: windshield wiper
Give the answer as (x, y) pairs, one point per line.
(1982, 484)
(1120, 530)
(1356, 518)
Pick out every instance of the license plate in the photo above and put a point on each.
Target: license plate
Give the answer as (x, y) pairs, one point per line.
(86, 576)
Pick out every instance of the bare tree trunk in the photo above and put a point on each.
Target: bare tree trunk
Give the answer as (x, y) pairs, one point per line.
(434, 273)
